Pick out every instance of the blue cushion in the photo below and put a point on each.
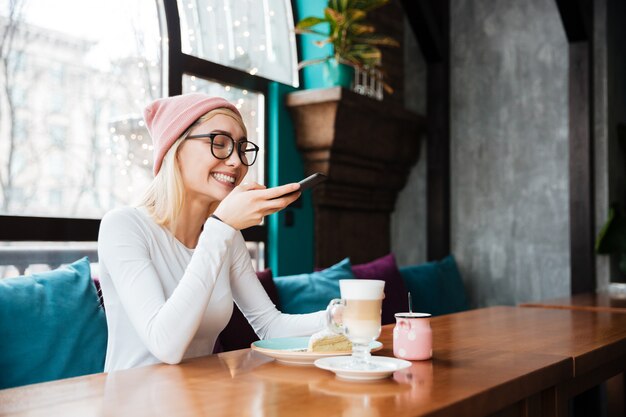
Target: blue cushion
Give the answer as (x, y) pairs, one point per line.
(306, 293)
(435, 287)
(51, 326)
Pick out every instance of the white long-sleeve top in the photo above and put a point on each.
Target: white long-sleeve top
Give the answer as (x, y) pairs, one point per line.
(165, 302)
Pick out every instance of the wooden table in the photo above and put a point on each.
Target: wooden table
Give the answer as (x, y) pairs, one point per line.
(616, 386)
(589, 302)
(461, 380)
(595, 340)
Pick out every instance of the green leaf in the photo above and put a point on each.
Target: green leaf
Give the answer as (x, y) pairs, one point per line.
(353, 15)
(310, 32)
(374, 39)
(334, 16)
(612, 237)
(338, 5)
(359, 29)
(364, 55)
(309, 22)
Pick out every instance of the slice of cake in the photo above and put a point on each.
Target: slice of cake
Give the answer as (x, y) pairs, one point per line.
(327, 341)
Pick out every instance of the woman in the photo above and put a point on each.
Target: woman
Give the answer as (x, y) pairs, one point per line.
(171, 267)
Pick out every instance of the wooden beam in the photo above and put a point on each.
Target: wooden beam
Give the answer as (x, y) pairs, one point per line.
(581, 207)
(438, 160)
(426, 26)
(430, 21)
(576, 17)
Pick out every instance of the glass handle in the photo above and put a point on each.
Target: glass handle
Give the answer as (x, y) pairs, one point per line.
(334, 316)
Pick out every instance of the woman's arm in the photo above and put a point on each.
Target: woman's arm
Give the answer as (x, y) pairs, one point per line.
(256, 305)
(166, 326)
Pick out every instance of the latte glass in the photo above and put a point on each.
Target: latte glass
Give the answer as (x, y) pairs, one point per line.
(357, 316)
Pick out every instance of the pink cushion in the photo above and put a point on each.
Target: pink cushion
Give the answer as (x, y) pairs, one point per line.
(238, 334)
(396, 295)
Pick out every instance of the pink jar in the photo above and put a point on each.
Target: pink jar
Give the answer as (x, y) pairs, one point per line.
(412, 336)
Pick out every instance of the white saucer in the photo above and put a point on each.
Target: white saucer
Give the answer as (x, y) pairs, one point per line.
(384, 367)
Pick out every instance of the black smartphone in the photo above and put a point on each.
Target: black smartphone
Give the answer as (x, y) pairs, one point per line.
(309, 182)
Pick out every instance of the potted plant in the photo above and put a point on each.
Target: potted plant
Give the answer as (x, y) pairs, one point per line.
(355, 41)
(612, 238)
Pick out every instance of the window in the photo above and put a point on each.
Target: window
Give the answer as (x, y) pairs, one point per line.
(58, 136)
(81, 78)
(252, 36)
(66, 78)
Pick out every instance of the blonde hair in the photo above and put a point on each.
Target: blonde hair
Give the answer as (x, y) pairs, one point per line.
(165, 196)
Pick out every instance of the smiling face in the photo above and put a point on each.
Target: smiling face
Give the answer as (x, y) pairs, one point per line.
(205, 177)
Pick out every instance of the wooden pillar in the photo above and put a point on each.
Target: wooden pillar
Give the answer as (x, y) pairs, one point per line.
(576, 16)
(581, 205)
(367, 148)
(429, 21)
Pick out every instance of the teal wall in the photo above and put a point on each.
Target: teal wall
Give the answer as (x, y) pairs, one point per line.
(312, 76)
(290, 248)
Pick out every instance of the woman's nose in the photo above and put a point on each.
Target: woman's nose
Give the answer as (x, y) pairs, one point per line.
(233, 159)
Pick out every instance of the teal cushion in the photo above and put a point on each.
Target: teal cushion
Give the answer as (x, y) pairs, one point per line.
(51, 326)
(306, 293)
(435, 287)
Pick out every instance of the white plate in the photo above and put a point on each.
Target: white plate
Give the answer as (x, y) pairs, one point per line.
(292, 350)
(384, 367)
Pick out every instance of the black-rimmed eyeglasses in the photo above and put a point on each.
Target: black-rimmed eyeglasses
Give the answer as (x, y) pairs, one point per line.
(222, 147)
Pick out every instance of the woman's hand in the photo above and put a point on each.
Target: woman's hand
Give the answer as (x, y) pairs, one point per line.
(248, 203)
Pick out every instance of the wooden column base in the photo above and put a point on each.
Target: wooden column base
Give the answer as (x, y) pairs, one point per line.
(367, 148)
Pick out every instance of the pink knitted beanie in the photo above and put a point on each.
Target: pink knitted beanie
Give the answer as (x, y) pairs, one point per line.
(167, 119)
